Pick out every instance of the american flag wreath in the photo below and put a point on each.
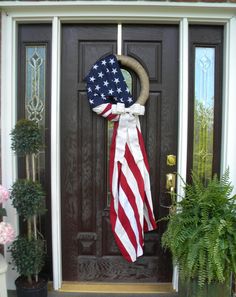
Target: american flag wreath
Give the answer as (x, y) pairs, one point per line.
(131, 209)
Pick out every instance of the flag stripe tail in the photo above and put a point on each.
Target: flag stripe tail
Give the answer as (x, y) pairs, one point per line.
(129, 204)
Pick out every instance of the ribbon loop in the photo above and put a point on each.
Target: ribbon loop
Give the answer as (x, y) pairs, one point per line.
(135, 109)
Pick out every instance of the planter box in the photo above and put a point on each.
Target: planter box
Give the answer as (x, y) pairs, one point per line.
(192, 289)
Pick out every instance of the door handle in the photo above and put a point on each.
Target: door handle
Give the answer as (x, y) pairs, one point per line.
(170, 182)
(170, 186)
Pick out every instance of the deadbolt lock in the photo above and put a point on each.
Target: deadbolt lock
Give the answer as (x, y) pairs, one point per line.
(171, 160)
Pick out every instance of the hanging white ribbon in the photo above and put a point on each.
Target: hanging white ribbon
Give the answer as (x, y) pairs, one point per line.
(127, 130)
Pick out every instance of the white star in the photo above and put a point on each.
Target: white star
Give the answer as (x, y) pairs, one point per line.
(115, 98)
(92, 78)
(110, 92)
(89, 89)
(114, 71)
(103, 96)
(104, 62)
(100, 74)
(105, 83)
(127, 90)
(130, 99)
(97, 88)
(119, 90)
(112, 61)
(91, 101)
(95, 66)
(107, 70)
(121, 100)
(116, 80)
(95, 94)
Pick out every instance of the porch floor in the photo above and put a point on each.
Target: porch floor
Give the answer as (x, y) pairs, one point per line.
(59, 294)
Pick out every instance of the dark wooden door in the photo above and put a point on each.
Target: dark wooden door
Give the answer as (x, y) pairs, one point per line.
(89, 250)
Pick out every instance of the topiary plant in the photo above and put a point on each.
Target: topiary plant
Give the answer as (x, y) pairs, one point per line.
(26, 137)
(28, 197)
(28, 255)
(201, 233)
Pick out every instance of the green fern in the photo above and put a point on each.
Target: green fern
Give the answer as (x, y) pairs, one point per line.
(201, 236)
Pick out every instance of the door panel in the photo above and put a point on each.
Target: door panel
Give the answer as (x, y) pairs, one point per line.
(89, 249)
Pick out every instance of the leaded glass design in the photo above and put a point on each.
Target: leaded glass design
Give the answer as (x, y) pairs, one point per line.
(128, 80)
(35, 90)
(204, 86)
(35, 83)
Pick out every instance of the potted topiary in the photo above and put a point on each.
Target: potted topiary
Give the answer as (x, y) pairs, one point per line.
(201, 235)
(28, 197)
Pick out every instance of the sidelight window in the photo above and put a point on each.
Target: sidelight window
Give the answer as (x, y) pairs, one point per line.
(204, 95)
(205, 100)
(35, 91)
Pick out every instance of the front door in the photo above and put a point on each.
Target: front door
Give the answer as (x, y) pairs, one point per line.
(88, 247)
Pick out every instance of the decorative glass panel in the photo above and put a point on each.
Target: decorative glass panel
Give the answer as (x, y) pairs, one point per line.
(204, 111)
(35, 92)
(128, 80)
(35, 83)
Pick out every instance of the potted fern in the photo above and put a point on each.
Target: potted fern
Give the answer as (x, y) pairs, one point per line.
(28, 250)
(202, 239)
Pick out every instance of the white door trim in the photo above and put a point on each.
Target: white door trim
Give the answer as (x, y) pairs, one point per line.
(55, 153)
(111, 12)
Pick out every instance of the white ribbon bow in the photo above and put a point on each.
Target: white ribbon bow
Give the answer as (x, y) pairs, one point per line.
(127, 130)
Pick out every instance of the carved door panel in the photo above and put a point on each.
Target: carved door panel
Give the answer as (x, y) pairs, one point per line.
(88, 246)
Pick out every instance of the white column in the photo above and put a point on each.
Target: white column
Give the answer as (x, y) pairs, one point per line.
(3, 271)
(8, 119)
(229, 102)
(55, 155)
(183, 117)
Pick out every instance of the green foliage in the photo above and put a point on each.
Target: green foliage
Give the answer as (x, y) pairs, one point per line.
(26, 137)
(201, 234)
(28, 198)
(27, 255)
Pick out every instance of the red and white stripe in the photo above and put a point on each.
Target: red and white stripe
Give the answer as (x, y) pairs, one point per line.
(131, 209)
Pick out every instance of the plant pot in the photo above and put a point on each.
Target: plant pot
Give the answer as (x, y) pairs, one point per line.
(39, 289)
(215, 289)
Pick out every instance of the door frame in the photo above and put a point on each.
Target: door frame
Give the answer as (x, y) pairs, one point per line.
(56, 13)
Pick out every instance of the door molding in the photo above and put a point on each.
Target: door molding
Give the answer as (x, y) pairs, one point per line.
(122, 11)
